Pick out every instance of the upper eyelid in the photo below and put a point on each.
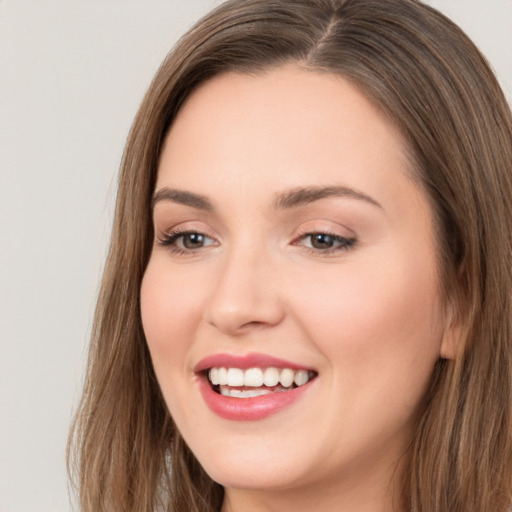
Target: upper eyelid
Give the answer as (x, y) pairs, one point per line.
(333, 235)
(340, 230)
(301, 232)
(177, 232)
(191, 226)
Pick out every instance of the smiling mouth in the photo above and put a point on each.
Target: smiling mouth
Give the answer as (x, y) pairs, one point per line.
(253, 382)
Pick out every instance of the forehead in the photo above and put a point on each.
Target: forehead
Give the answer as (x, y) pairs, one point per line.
(284, 128)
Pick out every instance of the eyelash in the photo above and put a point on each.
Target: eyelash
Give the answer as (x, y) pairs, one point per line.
(345, 243)
(169, 240)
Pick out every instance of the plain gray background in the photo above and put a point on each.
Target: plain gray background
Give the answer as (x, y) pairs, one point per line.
(72, 74)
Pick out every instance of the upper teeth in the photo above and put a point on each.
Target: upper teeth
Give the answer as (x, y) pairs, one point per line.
(255, 377)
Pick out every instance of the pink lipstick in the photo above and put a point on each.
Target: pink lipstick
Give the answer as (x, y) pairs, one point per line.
(252, 386)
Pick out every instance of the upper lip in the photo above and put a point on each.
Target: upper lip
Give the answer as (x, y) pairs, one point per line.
(245, 361)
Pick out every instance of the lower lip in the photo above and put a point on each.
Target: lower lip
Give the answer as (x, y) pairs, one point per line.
(249, 409)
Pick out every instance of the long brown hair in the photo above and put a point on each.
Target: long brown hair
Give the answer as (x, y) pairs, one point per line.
(426, 75)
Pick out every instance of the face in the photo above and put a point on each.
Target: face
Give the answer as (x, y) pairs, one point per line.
(294, 266)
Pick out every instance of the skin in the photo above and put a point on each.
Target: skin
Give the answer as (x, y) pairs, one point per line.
(368, 317)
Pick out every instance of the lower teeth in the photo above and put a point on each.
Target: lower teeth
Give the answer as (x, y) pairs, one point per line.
(249, 393)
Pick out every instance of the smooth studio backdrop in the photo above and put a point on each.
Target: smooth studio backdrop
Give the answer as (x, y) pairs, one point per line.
(71, 77)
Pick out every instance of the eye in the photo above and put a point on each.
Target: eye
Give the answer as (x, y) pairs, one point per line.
(192, 240)
(186, 241)
(325, 242)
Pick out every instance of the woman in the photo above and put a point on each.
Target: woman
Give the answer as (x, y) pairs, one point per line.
(306, 304)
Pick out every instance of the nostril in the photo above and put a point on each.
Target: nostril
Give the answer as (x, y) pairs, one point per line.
(242, 301)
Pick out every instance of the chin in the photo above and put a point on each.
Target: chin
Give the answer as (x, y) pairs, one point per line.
(253, 478)
(253, 469)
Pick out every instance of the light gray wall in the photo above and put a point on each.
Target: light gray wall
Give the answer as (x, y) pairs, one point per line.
(71, 77)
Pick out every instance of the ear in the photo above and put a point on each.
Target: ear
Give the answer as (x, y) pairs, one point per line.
(450, 345)
(455, 332)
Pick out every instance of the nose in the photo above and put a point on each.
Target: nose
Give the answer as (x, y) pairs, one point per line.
(246, 295)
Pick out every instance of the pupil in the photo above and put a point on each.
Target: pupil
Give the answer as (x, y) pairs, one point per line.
(193, 240)
(322, 241)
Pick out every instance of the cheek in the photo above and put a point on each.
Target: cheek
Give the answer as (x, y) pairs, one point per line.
(377, 323)
(171, 308)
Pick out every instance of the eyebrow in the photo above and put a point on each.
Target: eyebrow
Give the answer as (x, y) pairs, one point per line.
(290, 199)
(182, 197)
(302, 196)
